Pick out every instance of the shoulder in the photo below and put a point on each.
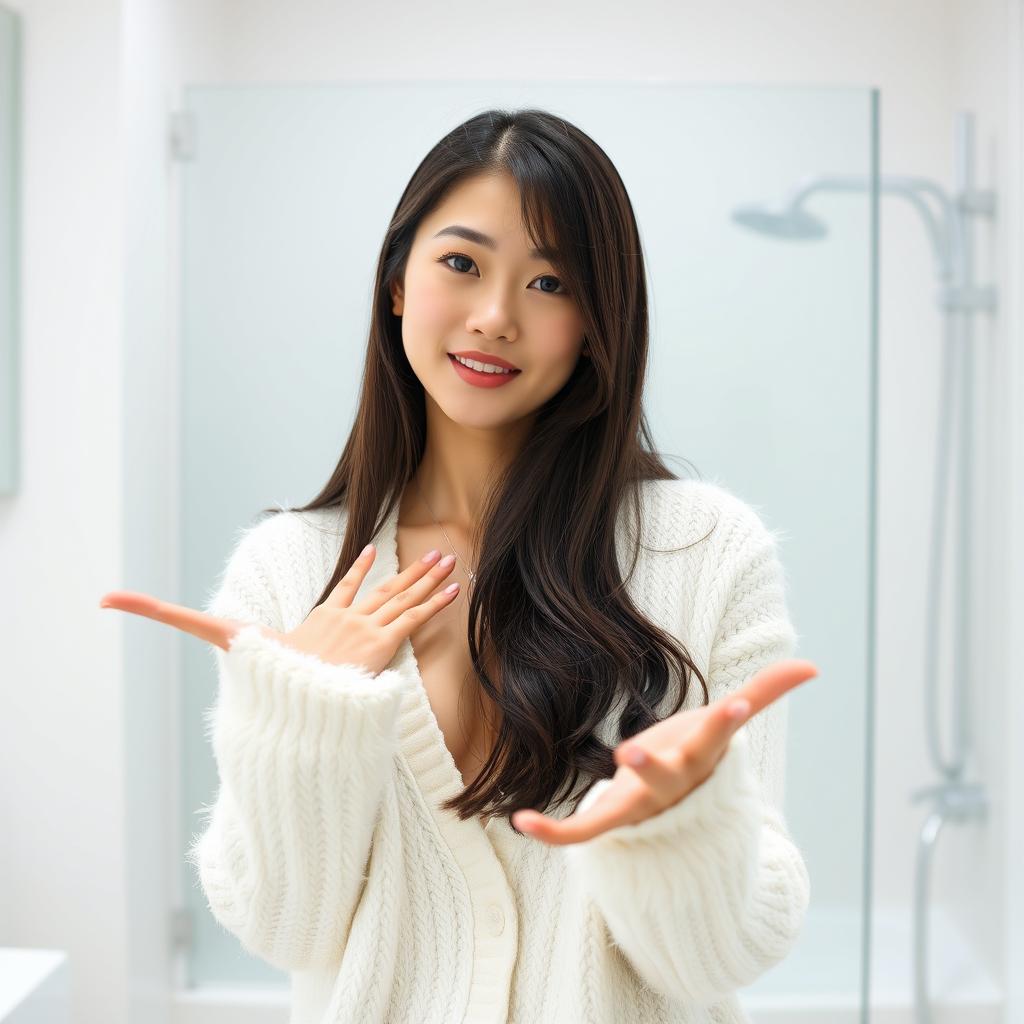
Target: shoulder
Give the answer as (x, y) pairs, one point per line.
(681, 513)
(264, 538)
(264, 553)
(323, 522)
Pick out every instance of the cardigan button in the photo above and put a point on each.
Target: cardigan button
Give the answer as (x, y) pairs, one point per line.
(496, 919)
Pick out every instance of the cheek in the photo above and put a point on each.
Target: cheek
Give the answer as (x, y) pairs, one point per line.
(428, 304)
(560, 357)
(566, 337)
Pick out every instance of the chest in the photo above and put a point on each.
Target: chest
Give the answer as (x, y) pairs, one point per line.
(441, 645)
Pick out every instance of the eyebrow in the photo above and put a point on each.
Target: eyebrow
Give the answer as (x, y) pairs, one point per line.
(472, 235)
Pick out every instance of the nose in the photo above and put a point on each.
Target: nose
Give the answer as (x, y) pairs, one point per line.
(494, 319)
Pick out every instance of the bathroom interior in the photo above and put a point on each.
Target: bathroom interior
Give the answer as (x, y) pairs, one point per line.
(831, 201)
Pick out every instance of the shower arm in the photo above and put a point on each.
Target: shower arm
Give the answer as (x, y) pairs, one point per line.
(908, 187)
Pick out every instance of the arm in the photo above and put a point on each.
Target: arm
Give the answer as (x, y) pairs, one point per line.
(705, 896)
(302, 749)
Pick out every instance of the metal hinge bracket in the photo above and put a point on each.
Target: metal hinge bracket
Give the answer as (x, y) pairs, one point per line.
(182, 135)
(181, 928)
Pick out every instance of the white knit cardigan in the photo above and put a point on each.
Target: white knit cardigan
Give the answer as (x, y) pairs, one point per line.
(327, 854)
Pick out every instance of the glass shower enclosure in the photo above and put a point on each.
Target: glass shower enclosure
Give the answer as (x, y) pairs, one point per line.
(763, 377)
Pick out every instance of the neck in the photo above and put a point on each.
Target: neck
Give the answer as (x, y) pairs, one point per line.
(458, 467)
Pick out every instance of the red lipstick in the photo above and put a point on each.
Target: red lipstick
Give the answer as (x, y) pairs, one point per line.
(481, 378)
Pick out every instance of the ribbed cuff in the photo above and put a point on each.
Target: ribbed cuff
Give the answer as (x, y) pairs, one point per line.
(273, 687)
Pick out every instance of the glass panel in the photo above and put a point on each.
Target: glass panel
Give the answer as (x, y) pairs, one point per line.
(10, 160)
(762, 376)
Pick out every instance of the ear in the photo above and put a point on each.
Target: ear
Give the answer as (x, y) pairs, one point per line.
(397, 298)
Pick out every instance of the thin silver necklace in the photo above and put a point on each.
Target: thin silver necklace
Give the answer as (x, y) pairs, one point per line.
(471, 573)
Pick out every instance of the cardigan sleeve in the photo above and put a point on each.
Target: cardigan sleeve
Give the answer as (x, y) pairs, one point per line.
(705, 896)
(302, 749)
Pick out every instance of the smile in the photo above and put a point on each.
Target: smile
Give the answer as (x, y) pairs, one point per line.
(491, 378)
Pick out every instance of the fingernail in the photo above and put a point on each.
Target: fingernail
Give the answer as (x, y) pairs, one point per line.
(739, 709)
(451, 589)
(366, 551)
(636, 757)
(431, 555)
(446, 561)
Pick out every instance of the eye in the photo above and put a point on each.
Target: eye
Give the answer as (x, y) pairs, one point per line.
(461, 256)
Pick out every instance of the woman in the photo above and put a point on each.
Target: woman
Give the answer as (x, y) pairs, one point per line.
(429, 807)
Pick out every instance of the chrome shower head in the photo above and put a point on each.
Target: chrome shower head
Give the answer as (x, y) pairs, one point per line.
(787, 222)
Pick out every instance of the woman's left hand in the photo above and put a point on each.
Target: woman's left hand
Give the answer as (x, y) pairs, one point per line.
(678, 754)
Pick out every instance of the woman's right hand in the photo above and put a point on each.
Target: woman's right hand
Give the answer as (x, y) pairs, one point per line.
(367, 634)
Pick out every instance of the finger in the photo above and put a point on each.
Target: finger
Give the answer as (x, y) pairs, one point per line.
(687, 756)
(658, 771)
(703, 748)
(398, 584)
(608, 813)
(210, 628)
(773, 681)
(412, 618)
(348, 586)
(416, 593)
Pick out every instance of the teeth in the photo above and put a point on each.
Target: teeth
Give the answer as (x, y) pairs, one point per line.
(482, 367)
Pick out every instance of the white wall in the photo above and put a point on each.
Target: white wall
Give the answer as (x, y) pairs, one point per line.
(62, 864)
(97, 306)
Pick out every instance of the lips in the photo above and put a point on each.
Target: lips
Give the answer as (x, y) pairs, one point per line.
(483, 357)
(513, 372)
(482, 378)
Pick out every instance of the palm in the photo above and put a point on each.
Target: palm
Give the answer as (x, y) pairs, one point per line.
(681, 752)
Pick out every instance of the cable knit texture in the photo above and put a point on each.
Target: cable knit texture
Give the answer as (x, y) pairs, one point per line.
(327, 854)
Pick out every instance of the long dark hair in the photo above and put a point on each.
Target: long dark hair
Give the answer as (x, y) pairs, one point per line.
(549, 606)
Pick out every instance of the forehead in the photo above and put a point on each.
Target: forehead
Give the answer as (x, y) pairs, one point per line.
(488, 206)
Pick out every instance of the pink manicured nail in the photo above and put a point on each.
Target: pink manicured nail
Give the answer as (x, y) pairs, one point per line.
(739, 709)
(636, 757)
(366, 551)
(451, 589)
(431, 555)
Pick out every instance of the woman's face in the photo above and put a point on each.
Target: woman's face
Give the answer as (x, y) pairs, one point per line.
(460, 295)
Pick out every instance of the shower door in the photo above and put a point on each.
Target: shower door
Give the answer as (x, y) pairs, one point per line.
(762, 376)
